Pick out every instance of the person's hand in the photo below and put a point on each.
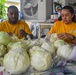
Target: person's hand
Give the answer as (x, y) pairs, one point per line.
(64, 36)
(22, 33)
(9, 33)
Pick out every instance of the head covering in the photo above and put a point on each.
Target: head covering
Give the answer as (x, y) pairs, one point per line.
(58, 7)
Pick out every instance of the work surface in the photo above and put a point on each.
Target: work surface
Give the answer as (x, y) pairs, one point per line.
(70, 69)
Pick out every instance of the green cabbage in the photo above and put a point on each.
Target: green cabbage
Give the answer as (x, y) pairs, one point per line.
(49, 47)
(40, 59)
(36, 42)
(29, 44)
(53, 37)
(4, 38)
(16, 61)
(1, 61)
(14, 38)
(3, 50)
(64, 51)
(31, 51)
(16, 45)
(59, 43)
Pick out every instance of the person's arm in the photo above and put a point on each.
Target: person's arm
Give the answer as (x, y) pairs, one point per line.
(24, 34)
(67, 36)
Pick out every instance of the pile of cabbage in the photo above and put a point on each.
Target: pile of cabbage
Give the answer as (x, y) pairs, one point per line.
(13, 54)
(17, 55)
(63, 50)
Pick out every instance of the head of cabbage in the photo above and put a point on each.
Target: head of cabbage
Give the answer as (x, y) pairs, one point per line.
(4, 38)
(16, 61)
(64, 51)
(40, 59)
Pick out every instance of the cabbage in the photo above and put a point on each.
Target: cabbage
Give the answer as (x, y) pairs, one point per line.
(39, 42)
(14, 38)
(1, 61)
(49, 47)
(4, 38)
(41, 60)
(36, 42)
(59, 43)
(16, 45)
(64, 51)
(9, 46)
(16, 61)
(3, 50)
(31, 51)
(29, 44)
(53, 37)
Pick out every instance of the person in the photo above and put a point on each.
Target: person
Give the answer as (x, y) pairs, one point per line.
(58, 10)
(66, 28)
(15, 26)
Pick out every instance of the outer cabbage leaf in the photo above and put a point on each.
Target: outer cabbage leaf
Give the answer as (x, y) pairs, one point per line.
(53, 37)
(3, 50)
(14, 38)
(16, 45)
(1, 61)
(59, 43)
(31, 51)
(4, 38)
(49, 47)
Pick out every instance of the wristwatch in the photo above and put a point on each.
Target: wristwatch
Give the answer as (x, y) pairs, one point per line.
(72, 37)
